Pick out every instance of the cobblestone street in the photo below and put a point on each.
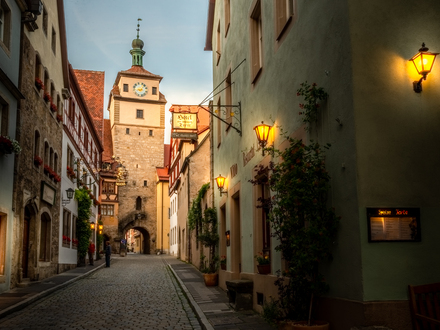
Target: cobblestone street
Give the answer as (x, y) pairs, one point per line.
(136, 292)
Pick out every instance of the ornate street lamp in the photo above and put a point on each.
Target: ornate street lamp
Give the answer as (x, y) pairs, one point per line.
(262, 132)
(220, 184)
(423, 61)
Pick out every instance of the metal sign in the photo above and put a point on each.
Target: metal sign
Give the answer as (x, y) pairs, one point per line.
(179, 135)
(185, 121)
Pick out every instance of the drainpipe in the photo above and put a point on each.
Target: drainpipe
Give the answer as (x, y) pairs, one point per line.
(189, 207)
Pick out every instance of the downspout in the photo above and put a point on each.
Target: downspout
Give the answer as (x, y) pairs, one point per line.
(189, 207)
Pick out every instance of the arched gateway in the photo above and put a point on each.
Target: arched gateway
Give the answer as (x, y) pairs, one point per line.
(146, 240)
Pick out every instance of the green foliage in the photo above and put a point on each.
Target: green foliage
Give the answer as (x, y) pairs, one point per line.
(303, 224)
(312, 95)
(271, 311)
(83, 230)
(209, 238)
(195, 213)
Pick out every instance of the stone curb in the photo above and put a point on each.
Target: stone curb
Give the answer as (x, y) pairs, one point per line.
(200, 315)
(22, 304)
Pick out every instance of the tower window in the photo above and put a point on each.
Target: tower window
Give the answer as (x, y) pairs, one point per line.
(138, 203)
(139, 113)
(154, 91)
(150, 133)
(145, 183)
(127, 131)
(125, 87)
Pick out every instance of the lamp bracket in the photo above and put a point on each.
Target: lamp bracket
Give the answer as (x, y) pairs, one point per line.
(234, 111)
(64, 202)
(417, 85)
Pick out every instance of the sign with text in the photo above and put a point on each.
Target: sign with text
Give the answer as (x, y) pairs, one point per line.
(184, 121)
(180, 135)
(393, 224)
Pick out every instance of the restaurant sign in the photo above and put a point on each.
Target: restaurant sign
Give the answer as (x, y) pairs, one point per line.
(185, 121)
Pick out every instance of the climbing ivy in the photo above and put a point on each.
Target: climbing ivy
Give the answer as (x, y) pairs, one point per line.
(195, 213)
(82, 225)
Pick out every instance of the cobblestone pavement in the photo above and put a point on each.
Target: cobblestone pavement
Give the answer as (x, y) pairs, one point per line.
(136, 292)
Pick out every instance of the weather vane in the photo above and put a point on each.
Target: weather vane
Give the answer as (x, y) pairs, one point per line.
(138, 25)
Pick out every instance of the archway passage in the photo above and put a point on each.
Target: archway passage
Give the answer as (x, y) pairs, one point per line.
(143, 241)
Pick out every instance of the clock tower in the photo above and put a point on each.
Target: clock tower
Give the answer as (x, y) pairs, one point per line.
(137, 119)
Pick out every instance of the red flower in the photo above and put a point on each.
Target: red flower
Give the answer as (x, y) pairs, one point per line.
(53, 107)
(47, 97)
(38, 160)
(38, 83)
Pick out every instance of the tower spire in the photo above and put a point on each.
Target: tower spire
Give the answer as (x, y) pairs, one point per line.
(137, 53)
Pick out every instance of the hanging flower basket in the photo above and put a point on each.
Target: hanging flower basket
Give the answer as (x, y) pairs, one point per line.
(39, 84)
(38, 161)
(8, 146)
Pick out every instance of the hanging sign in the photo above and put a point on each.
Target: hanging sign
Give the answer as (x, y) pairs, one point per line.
(184, 121)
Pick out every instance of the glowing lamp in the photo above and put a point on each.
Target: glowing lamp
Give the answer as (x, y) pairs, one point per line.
(423, 61)
(92, 225)
(220, 184)
(262, 132)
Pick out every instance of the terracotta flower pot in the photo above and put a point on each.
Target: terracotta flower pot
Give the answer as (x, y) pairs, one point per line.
(223, 266)
(264, 269)
(211, 279)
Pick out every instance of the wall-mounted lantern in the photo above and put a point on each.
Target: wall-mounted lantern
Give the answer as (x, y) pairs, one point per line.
(423, 61)
(262, 132)
(92, 225)
(221, 184)
(69, 192)
(100, 227)
(228, 238)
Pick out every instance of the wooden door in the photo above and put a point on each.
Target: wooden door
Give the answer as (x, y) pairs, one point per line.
(25, 248)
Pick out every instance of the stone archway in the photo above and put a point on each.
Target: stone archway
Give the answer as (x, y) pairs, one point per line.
(146, 244)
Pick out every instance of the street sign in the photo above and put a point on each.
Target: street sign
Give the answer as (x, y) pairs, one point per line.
(180, 135)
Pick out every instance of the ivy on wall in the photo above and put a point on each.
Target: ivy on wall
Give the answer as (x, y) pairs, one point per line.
(82, 225)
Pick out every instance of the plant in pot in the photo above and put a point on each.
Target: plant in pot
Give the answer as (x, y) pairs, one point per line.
(209, 238)
(304, 225)
(263, 263)
(223, 262)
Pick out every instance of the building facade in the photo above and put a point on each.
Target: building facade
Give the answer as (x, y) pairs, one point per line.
(44, 84)
(10, 96)
(378, 126)
(137, 118)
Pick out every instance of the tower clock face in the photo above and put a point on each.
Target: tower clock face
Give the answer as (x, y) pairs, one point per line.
(140, 89)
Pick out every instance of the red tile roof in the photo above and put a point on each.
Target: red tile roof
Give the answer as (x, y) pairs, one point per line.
(92, 88)
(162, 173)
(166, 158)
(107, 143)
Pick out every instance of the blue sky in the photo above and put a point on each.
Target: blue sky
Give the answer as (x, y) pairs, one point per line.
(100, 32)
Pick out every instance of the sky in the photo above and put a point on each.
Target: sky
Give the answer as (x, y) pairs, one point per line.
(100, 32)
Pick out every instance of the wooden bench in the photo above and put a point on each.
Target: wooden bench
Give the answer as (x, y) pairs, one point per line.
(425, 306)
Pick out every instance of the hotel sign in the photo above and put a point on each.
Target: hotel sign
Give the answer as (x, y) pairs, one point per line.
(185, 121)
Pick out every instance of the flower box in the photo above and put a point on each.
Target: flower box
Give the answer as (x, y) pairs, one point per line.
(8, 146)
(38, 161)
(39, 84)
(47, 97)
(53, 107)
(59, 118)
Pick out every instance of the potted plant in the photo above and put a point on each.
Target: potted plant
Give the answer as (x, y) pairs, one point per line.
(209, 238)
(263, 263)
(8, 145)
(302, 223)
(223, 262)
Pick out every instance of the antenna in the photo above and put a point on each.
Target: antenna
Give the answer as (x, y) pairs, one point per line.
(138, 25)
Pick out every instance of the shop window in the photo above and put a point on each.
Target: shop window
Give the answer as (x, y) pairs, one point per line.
(256, 41)
(45, 237)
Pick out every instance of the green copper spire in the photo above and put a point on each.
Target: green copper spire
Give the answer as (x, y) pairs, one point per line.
(137, 53)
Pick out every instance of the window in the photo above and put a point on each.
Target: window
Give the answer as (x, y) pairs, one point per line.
(154, 91)
(138, 203)
(107, 209)
(45, 20)
(4, 117)
(70, 160)
(54, 40)
(227, 16)
(139, 113)
(55, 162)
(46, 153)
(66, 228)
(125, 87)
(284, 13)
(5, 24)
(145, 183)
(37, 143)
(74, 237)
(86, 139)
(127, 131)
(108, 188)
(3, 221)
(256, 41)
(45, 237)
(150, 132)
(219, 45)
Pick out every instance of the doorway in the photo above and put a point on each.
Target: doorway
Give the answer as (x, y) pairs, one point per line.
(25, 244)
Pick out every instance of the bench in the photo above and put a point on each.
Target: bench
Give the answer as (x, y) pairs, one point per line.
(425, 306)
(240, 294)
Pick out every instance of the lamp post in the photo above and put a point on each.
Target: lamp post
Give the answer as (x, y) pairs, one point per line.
(423, 61)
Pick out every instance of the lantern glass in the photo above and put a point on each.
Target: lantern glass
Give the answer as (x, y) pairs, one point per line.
(92, 225)
(100, 227)
(423, 61)
(262, 132)
(70, 193)
(220, 181)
